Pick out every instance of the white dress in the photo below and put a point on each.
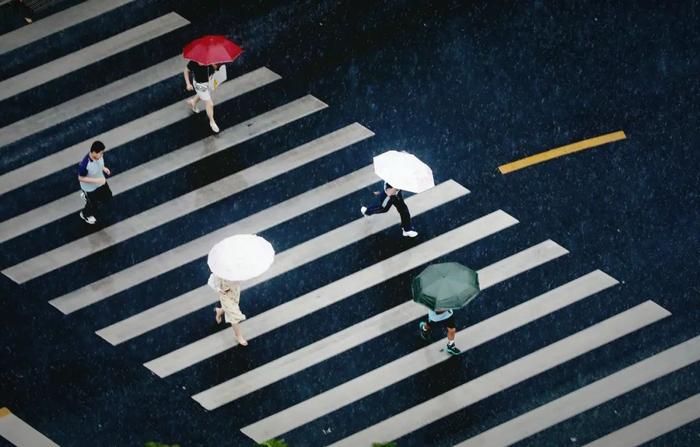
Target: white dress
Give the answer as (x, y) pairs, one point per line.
(229, 296)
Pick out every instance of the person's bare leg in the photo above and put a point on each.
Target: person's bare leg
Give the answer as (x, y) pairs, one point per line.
(210, 109)
(193, 103)
(239, 335)
(210, 114)
(451, 333)
(219, 312)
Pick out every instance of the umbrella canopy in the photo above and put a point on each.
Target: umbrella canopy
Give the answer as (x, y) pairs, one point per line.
(209, 50)
(403, 171)
(448, 285)
(241, 257)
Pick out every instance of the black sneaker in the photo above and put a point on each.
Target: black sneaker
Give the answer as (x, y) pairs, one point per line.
(452, 349)
(424, 333)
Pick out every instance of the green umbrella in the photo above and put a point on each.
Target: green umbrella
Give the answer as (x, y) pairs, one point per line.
(448, 285)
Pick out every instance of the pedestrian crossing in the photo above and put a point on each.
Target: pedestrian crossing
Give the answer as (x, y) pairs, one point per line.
(333, 293)
(180, 206)
(596, 394)
(200, 247)
(361, 333)
(79, 105)
(653, 426)
(57, 22)
(411, 364)
(288, 260)
(89, 55)
(162, 165)
(132, 130)
(343, 241)
(501, 378)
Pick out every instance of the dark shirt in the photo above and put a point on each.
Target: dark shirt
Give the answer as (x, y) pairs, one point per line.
(201, 72)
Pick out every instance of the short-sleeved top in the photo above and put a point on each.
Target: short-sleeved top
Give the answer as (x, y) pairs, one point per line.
(93, 169)
(434, 316)
(201, 72)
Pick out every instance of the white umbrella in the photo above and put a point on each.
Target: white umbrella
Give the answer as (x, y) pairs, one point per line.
(404, 171)
(240, 257)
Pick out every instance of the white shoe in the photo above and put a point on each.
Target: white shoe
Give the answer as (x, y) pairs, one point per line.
(363, 210)
(410, 233)
(193, 106)
(90, 219)
(213, 126)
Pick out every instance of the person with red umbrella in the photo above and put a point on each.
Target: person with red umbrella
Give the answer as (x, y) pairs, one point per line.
(203, 54)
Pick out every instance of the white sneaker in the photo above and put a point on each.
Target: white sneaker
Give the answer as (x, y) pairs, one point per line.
(194, 107)
(410, 233)
(363, 210)
(82, 196)
(90, 219)
(213, 126)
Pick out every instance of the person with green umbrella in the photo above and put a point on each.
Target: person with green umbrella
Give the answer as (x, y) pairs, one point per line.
(442, 288)
(441, 317)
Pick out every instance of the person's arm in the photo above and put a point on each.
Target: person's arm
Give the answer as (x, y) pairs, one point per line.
(97, 181)
(186, 74)
(382, 207)
(106, 170)
(83, 174)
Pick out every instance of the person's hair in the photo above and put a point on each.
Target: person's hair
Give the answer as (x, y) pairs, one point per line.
(97, 147)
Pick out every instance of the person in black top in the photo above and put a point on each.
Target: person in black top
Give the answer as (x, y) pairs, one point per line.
(200, 84)
(389, 197)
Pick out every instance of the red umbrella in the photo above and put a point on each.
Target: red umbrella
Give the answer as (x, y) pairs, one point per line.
(209, 50)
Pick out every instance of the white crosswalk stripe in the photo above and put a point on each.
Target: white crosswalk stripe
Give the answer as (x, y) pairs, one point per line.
(653, 426)
(334, 292)
(591, 396)
(21, 434)
(384, 322)
(89, 55)
(127, 132)
(57, 22)
(290, 259)
(504, 377)
(167, 163)
(199, 247)
(185, 204)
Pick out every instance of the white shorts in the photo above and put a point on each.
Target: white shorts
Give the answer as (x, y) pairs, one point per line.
(203, 91)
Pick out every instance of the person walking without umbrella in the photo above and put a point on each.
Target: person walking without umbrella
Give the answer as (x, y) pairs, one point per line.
(389, 197)
(230, 298)
(200, 84)
(93, 184)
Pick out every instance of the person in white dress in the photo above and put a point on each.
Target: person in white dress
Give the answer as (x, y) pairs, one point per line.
(200, 84)
(229, 297)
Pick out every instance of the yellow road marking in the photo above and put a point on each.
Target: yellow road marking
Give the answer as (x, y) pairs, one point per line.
(4, 411)
(564, 150)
